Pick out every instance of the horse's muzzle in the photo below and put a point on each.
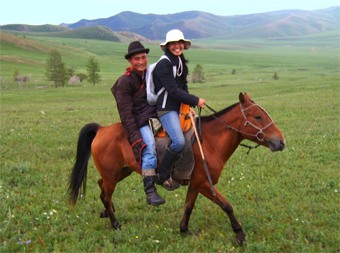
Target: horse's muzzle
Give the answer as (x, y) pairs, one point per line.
(277, 144)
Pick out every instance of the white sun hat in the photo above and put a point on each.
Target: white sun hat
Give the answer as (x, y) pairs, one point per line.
(175, 35)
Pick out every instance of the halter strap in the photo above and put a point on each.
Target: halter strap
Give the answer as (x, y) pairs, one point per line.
(260, 135)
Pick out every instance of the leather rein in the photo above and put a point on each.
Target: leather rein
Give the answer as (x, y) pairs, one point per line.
(260, 135)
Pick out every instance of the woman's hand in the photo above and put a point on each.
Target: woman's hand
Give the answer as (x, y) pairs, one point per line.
(201, 102)
(192, 111)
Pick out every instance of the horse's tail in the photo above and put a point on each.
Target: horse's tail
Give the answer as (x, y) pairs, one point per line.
(77, 181)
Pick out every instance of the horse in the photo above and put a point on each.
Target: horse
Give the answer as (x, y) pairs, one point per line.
(222, 132)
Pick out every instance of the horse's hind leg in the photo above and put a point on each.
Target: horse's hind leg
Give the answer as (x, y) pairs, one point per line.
(103, 214)
(107, 188)
(228, 209)
(125, 172)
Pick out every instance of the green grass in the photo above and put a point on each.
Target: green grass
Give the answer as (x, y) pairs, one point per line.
(286, 202)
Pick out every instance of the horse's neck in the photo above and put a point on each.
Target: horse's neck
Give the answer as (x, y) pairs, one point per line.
(223, 140)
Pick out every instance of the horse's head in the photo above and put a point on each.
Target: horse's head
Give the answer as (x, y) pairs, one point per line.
(258, 126)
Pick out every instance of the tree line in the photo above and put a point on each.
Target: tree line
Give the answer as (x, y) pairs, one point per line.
(57, 72)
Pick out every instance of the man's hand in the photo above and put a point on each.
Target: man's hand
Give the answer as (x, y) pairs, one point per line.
(137, 148)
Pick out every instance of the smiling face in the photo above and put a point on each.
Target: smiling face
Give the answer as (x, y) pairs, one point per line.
(176, 47)
(139, 62)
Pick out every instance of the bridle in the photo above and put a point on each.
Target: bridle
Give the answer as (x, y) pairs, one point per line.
(260, 135)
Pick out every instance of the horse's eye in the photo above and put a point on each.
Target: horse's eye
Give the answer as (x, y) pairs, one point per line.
(258, 117)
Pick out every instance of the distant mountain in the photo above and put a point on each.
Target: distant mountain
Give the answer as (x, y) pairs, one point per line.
(196, 24)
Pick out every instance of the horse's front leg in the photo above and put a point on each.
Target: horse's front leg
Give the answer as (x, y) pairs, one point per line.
(227, 208)
(189, 206)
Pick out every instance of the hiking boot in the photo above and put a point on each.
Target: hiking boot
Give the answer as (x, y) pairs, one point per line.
(152, 197)
(164, 171)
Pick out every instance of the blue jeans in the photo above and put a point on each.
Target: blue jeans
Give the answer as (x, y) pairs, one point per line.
(149, 155)
(170, 122)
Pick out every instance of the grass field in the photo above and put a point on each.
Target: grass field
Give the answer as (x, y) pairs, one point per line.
(286, 202)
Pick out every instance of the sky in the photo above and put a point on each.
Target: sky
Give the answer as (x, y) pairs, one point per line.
(55, 12)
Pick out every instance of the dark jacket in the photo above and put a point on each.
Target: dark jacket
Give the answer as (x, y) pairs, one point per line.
(134, 110)
(177, 87)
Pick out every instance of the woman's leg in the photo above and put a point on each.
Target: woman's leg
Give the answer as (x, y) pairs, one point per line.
(170, 122)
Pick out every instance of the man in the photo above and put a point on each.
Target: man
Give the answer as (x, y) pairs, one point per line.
(134, 111)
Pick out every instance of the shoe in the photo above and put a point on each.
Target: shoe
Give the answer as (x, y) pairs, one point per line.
(164, 175)
(152, 197)
(170, 184)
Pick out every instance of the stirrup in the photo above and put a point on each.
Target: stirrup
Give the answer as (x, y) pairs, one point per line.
(170, 184)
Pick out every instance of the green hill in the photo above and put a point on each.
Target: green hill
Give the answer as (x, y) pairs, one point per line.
(97, 32)
(27, 52)
(34, 28)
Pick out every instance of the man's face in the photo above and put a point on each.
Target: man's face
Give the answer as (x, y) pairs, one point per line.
(139, 62)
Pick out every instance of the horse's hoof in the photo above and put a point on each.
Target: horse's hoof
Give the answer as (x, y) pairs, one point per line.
(184, 230)
(241, 238)
(116, 225)
(104, 214)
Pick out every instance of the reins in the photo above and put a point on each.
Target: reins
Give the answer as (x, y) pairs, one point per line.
(249, 147)
(259, 135)
(198, 133)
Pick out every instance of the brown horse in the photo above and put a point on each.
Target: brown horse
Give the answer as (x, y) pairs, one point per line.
(222, 132)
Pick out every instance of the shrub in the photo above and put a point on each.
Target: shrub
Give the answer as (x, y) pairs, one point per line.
(198, 76)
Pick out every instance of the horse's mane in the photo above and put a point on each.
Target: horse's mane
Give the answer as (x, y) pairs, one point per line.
(217, 114)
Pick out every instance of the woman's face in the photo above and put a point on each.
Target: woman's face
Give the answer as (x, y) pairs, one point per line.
(176, 47)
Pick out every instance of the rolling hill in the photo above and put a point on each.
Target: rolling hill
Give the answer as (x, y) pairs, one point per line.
(34, 28)
(91, 32)
(195, 24)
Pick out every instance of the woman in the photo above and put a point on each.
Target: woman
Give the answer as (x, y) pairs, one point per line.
(172, 74)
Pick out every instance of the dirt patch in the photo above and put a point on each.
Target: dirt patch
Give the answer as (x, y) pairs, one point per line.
(23, 42)
(17, 59)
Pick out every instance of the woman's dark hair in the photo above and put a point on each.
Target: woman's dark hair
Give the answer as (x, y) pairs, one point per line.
(185, 64)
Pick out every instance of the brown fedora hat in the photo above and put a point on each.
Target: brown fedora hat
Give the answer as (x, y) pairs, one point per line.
(136, 47)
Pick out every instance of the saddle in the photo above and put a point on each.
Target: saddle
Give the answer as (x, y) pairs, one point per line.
(182, 168)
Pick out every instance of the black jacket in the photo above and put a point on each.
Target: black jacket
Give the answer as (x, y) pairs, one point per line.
(177, 87)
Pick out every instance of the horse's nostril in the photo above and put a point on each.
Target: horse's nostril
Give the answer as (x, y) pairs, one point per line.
(282, 144)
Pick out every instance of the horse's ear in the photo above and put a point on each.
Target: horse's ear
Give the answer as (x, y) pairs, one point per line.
(241, 97)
